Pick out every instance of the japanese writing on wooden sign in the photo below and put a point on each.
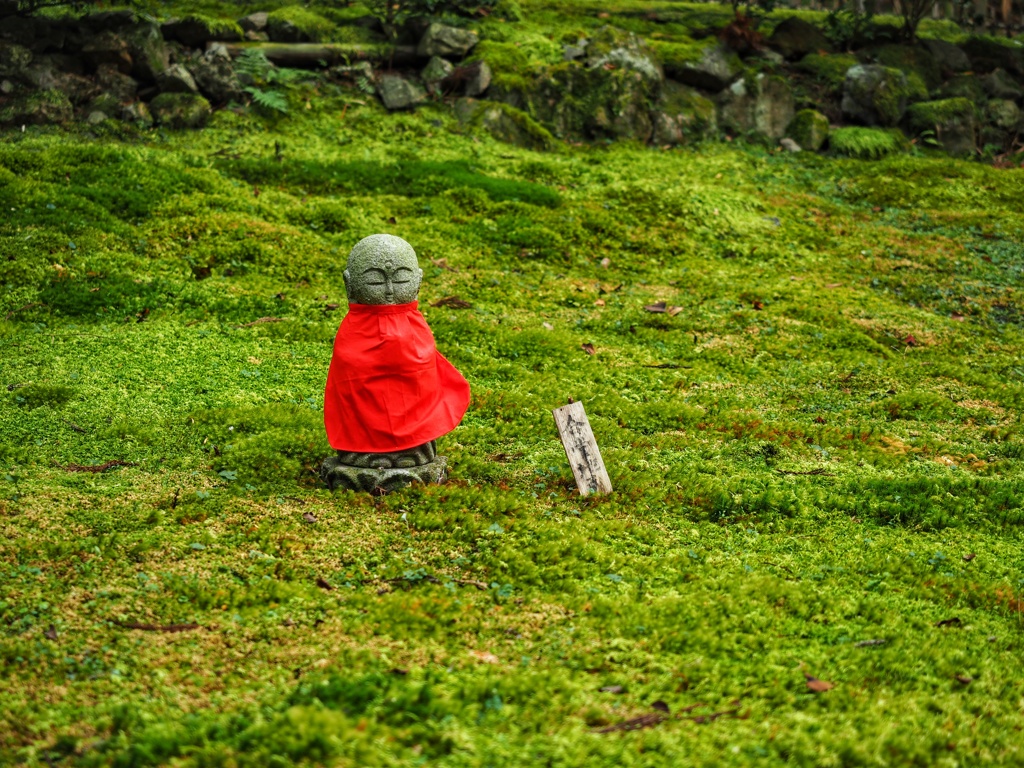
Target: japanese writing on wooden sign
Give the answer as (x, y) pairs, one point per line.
(581, 449)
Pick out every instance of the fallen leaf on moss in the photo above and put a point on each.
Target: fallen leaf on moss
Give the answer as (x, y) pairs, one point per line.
(644, 721)
(588, 348)
(452, 302)
(818, 686)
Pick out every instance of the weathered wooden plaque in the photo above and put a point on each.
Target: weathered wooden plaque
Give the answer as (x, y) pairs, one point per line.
(581, 449)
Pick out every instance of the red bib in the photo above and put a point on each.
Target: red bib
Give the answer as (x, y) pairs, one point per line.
(388, 388)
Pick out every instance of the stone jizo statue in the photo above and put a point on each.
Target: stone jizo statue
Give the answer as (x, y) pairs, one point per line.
(390, 394)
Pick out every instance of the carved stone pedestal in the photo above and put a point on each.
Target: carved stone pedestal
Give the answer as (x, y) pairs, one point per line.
(384, 472)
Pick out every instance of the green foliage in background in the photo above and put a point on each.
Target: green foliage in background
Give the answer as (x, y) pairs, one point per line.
(816, 450)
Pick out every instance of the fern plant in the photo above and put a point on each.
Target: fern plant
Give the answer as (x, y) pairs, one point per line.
(269, 100)
(263, 72)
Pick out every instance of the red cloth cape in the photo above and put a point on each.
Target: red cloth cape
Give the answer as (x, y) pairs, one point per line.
(388, 388)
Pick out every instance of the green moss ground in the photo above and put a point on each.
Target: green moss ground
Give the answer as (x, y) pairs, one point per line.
(817, 462)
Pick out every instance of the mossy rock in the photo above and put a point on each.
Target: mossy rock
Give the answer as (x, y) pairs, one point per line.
(949, 57)
(795, 38)
(761, 106)
(809, 129)
(829, 69)
(708, 66)
(910, 60)
(195, 30)
(614, 47)
(150, 54)
(1003, 114)
(953, 121)
(37, 108)
(989, 53)
(875, 95)
(297, 24)
(867, 143)
(965, 86)
(180, 110)
(999, 84)
(505, 123)
(584, 103)
(685, 116)
(515, 63)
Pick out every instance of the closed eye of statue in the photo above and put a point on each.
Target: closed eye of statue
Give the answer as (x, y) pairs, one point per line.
(375, 277)
(402, 276)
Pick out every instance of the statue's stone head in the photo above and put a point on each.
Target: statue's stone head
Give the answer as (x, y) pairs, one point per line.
(382, 269)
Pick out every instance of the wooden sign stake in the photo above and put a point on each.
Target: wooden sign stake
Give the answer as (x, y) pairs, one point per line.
(581, 449)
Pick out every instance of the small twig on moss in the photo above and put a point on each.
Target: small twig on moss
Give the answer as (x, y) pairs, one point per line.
(261, 320)
(481, 585)
(157, 627)
(819, 471)
(13, 312)
(99, 467)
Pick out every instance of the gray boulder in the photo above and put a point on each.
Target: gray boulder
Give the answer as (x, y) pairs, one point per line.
(180, 110)
(987, 54)
(953, 121)
(967, 86)
(451, 42)
(875, 95)
(999, 85)
(950, 58)
(504, 123)
(397, 93)
(1003, 114)
(254, 22)
(114, 82)
(14, 61)
(196, 32)
(611, 95)
(478, 79)
(794, 38)
(282, 30)
(108, 47)
(215, 77)
(106, 21)
(41, 76)
(683, 116)
(437, 69)
(573, 51)
(77, 88)
(176, 79)
(36, 108)
(763, 107)
(150, 54)
(809, 129)
(137, 113)
(610, 47)
(713, 69)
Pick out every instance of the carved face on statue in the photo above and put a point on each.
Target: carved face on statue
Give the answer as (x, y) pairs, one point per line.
(382, 269)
